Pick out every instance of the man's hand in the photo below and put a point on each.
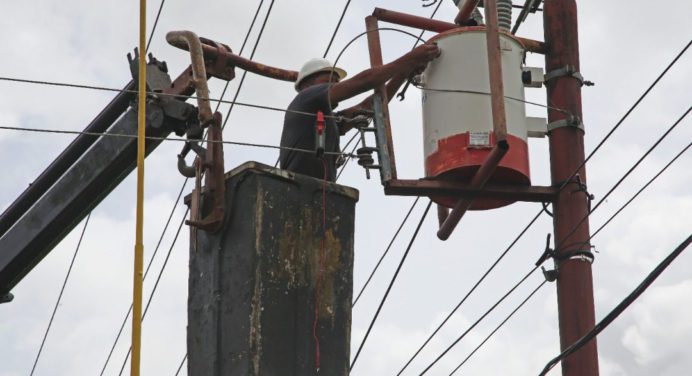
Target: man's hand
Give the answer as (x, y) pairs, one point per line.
(421, 55)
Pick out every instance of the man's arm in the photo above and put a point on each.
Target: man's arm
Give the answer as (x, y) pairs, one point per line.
(366, 105)
(373, 77)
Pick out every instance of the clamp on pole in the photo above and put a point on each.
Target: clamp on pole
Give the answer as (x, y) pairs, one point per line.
(571, 121)
(569, 71)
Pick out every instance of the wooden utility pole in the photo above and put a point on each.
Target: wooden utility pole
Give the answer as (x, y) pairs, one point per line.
(270, 293)
(574, 281)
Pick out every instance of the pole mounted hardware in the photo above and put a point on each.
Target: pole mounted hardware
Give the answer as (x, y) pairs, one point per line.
(205, 214)
(570, 121)
(569, 71)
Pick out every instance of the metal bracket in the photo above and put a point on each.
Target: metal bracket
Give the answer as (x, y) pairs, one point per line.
(567, 70)
(580, 255)
(381, 138)
(571, 121)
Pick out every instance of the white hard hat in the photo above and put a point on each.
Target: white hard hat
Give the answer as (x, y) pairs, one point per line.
(316, 65)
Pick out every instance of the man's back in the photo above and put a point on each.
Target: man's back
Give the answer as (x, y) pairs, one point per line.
(299, 133)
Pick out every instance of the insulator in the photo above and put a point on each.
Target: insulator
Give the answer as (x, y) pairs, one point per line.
(365, 158)
(504, 14)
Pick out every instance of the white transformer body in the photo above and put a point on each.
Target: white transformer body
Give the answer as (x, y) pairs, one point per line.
(457, 116)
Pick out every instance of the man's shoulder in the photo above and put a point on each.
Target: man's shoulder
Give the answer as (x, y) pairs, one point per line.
(316, 93)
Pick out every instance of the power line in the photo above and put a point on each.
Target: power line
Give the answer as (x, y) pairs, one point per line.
(625, 116)
(348, 159)
(146, 272)
(62, 290)
(156, 22)
(617, 125)
(242, 48)
(592, 235)
(499, 326)
(374, 270)
(492, 308)
(617, 184)
(629, 111)
(489, 94)
(98, 134)
(391, 283)
(252, 54)
(156, 284)
(158, 94)
(420, 37)
(602, 200)
(620, 307)
(180, 367)
(336, 29)
(218, 104)
(641, 190)
(475, 286)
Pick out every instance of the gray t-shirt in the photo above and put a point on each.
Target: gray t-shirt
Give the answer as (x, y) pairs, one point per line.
(299, 132)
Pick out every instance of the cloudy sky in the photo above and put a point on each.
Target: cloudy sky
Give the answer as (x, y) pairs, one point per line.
(624, 46)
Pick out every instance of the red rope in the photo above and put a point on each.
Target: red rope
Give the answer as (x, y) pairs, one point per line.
(320, 271)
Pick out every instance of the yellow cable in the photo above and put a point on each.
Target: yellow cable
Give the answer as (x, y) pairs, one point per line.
(139, 246)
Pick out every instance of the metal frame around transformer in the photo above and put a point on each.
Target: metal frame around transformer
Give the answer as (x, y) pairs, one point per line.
(477, 188)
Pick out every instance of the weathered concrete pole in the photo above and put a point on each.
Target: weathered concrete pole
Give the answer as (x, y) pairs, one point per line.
(252, 288)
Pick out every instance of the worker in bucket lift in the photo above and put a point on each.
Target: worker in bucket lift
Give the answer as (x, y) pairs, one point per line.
(320, 88)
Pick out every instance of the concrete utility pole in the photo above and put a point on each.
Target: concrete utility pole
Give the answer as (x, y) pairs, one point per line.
(574, 282)
(255, 284)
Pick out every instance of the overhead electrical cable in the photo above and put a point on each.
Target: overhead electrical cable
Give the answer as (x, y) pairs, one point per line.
(602, 200)
(62, 290)
(622, 179)
(683, 151)
(156, 22)
(156, 284)
(468, 330)
(98, 134)
(374, 270)
(620, 308)
(499, 326)
(252, 55)
(240, 53)
(348, 159)
(600, 144)
(391, 283)
(420, 37)
(146, 272)
(180, 367)
(336, 29)
(475, 286)
(223, 93)
(629, 111)
(592, 235)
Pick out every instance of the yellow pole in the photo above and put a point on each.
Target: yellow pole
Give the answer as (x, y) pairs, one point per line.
(139, 246)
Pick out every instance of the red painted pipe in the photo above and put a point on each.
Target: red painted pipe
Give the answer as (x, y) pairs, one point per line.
(465, 12)
(478, 181)
(212, 52)
(410, 20)
(437, 26)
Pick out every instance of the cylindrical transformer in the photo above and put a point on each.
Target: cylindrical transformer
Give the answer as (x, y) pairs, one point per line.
(457, 117)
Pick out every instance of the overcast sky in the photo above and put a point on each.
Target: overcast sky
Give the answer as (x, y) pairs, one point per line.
(624, 45)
